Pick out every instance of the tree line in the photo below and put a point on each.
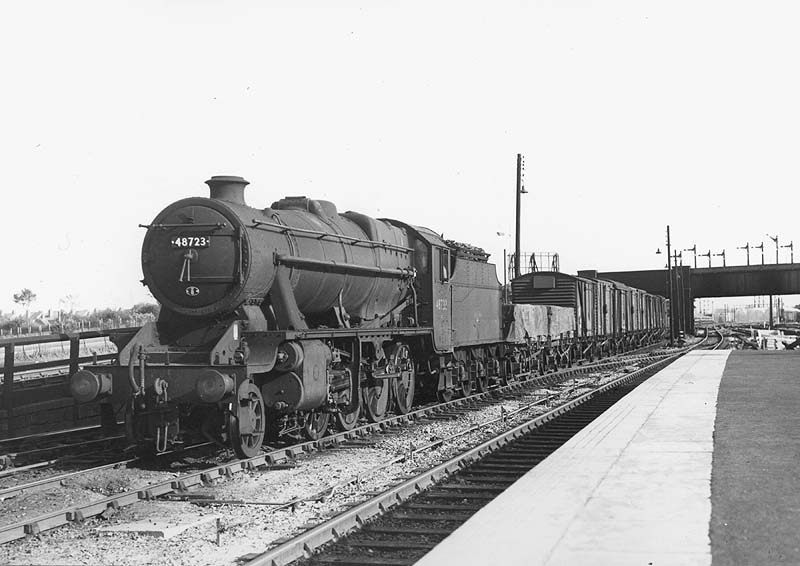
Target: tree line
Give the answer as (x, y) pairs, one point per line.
(70, 319)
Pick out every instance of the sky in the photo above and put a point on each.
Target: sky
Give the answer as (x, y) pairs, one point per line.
(631, 115)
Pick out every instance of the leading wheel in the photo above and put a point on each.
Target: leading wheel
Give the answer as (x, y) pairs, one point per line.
(403, 386)
(246, 425)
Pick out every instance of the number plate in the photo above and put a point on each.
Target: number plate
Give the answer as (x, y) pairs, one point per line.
(187, 241)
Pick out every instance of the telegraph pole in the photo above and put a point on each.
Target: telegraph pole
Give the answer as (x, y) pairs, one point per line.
(671, 295)
(519, 192)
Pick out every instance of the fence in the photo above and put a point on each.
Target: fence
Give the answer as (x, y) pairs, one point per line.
(11, 330)
(47, 405)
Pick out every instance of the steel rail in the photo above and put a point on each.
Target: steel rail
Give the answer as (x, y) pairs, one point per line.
(18, 489)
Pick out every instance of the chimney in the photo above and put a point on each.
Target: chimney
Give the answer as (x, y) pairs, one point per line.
(228, 188)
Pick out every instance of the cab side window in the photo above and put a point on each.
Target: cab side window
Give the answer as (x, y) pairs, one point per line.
(444, 265)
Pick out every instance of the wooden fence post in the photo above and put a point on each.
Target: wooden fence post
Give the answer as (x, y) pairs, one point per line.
(8, 384)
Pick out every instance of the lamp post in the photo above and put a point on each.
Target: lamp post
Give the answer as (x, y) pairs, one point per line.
(775, 239)
(790, 245)
(669, 290)
(519, 192)
(693, 249)
(722, 255)
(679, 298)
(746, 247)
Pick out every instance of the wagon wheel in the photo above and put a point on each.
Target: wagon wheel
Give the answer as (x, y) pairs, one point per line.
(376, 399)
(347, 421)
(507, 371)
(403, 386)
(464, 380)
(499, 377)
(315, 425)
(481, 378)
(246, 426)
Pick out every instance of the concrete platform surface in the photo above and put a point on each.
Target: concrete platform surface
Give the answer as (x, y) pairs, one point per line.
(633, 487)
(755, 482)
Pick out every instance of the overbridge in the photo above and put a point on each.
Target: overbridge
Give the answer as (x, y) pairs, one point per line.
(689, 284)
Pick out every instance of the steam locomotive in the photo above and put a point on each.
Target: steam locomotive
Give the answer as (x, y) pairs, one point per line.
(290, 319)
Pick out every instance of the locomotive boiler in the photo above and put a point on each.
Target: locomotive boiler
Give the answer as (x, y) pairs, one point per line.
(286, 320)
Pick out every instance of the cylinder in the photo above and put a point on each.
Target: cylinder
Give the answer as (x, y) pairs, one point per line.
(212, 386)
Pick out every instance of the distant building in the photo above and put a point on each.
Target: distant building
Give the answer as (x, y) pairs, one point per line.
(791, 314)
(744, 315)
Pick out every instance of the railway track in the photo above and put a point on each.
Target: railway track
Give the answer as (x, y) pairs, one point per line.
(211, 475)
(401, 524)
(33, 449)
(20, 451)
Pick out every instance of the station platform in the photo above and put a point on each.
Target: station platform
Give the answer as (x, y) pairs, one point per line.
(696, 466)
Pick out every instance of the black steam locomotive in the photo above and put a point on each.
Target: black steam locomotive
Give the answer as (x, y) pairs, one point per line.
(277, 321)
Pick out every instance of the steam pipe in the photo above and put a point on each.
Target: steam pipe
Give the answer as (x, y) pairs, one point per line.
(132, 369)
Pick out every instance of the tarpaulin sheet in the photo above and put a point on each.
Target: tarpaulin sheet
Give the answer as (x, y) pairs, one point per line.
(534, 321)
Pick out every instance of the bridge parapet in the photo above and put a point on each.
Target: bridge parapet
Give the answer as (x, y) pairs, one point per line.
(746, 280)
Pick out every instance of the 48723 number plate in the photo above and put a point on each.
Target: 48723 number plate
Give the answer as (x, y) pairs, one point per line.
(187, 241)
